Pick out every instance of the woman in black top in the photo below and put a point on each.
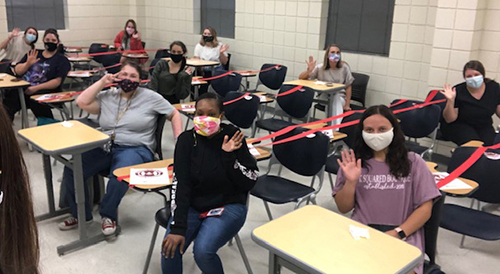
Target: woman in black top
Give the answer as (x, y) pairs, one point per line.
(213, 169)
(469, 107)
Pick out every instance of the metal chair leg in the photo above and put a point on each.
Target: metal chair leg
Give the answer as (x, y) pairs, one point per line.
(243, 254)
(331, 180)
(462, 241)
(268, 210)
(151, 247)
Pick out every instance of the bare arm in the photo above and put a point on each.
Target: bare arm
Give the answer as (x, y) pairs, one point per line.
(351, 168)
(87, 100)
(52, 84)
(21, 69)
(450, 113)
(222, 56)
(348, 94)
(15, 32)
(345, 197)
(416, 220)
(176, 120)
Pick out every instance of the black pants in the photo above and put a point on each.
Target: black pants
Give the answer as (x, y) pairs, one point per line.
(12, 104)
(461, 133)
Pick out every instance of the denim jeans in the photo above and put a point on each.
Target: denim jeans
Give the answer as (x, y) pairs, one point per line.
(209, 235)
(96, 161)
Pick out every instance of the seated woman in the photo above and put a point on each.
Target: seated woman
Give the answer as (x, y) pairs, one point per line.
(209, 48)
(17, 45)
(213, 169)
(332, 70)
(129, 39)
(469, 107)
(129, 116)
(171, 78)
(387, 186)
(45, 71)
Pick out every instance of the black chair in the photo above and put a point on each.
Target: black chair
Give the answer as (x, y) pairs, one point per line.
(295, 105)
(143, 44)
(440, 96)
(226, 66)
(305, 157)
(243, 112)
(273, 78)
(110, 60)
(94, 48)
(153, 64)
(468, 221)
(431, 228)
(227, 83)
(162, 53)
(359, 87)
(419, 123)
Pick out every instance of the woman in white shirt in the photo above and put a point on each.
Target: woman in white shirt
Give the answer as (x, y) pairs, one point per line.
(15, 46)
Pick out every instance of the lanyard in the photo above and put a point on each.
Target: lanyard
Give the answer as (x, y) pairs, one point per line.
(120, 114)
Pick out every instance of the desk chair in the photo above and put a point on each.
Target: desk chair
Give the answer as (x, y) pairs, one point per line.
(110, 60)
(295, 105)
(94, 48)
(162, 53)
(226, 66)
(243, 112)
(469, 221)
(431, 228)
(305, 157)
(271, 79)
(227, 83)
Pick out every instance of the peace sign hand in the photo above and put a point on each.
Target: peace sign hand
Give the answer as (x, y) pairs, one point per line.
(234, 144)
(449, 92)
(350, 166)
(311, 64)
(109, 78)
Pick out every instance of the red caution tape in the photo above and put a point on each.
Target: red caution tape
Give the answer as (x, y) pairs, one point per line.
(237, 99)
(289, 91)
(431, 95)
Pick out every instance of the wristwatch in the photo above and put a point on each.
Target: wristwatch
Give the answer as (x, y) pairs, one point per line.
(401, 233)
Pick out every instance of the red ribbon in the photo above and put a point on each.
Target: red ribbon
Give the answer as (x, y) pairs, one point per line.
(289, 91)
(237, 99)
(431, 95)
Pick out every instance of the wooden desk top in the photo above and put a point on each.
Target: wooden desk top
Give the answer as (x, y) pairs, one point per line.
(6, 81)
(336, 134)
(455, 192)
(136, 55)
(79, 74)
(73, 50)
(57, 100)
(318, 240)
(125, 171)
(189, 111)
(58, 139)
(80, 59)
(196, 82)
(267, 98)
(311, 84)
(473, 143)
(197, 62)
(265, 153)
(247, 73)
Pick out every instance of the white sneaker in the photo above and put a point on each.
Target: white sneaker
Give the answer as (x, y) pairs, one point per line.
(108, 226)
(70, 223)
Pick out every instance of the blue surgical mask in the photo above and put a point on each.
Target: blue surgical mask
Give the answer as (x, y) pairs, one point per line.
(474, 82)
(334, 57)
(30, 37)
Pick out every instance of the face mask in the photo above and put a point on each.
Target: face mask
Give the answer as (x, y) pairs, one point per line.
(206, 125)
(474, 82)
(30, 37)
(334, 57)
(378, 141)
(208, 38)
(176, 58)
(130, 31)
(50, 46)
(127, 85)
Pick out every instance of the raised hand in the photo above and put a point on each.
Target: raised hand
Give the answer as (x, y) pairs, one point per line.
(449, 92)
(15, 32)
(311, 64)
(32, 57)
(136, 36)
(350, 166)
(109, 78)
(233, 144)
(224, 48)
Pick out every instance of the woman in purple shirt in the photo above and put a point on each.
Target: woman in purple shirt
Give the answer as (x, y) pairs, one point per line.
(388, 187)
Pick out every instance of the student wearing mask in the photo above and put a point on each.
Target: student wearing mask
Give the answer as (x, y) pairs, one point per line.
(332, 70)
(213, 170)
(129, 39)
(386, 186)
(470, 105)
(16, 45)
(45, 71)
(172, 79)
(128, 115)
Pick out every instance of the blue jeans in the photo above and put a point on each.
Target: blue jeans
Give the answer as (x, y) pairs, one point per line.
(96, 161)
(211, 234)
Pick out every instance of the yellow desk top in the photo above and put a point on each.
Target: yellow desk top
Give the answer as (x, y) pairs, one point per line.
(196, 82)
(6, 81)
(125, 171)
(458, 192)
(197, 62)
(267, 98)
(73, 50)
(311, 84)
(136, 55)
(318, 240)
(58, 100)
(80, 59)
(473, 143)
(57, 138)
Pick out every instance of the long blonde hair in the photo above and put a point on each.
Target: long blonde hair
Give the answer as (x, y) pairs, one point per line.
(215, 42)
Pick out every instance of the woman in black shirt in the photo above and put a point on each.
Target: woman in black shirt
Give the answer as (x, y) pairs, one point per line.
(213, 173)
(469, 107)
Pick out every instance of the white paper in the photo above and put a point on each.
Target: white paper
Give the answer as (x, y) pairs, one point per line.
(67, 124)
(47, 97)
(262, 98)
(492, 155)
(455, 184)
(359, 232)
(328, 133)
(2, 75)
(79, 73)
(320, 83)
(253, 150)
(188, 107)
(149, 176)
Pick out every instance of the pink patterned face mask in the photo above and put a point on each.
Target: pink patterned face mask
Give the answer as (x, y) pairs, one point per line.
(206, 125)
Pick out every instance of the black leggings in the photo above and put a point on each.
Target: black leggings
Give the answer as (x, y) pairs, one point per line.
(461, 133)
(13, 104)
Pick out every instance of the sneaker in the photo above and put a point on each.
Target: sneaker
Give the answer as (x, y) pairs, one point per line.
(108, 226)
(70, 223)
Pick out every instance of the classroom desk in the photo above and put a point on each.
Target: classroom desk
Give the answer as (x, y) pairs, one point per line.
(74, 50)
(9, 81)
(320, 88)
(473, 143)
(125, 171)
(80, 59)
(55, 140)
(59, 103)
(198, 63)
(337, 136)
(313, 239)
(456, 192)
(246, 75)
(136, 55)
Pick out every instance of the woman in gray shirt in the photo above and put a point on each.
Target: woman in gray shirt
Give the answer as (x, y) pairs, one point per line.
(129, 116)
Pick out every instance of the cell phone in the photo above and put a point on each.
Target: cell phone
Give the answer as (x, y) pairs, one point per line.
(382, 228)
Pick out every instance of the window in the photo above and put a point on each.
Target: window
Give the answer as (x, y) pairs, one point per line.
(362, 26)
(220, 15)
(41, 14)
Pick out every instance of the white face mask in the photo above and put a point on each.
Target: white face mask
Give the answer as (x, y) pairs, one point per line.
(474, 82)
(378, 141)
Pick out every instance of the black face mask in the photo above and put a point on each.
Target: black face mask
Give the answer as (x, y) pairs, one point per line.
(176, 58)
(50, 46)
(208, 38)
(127, 85)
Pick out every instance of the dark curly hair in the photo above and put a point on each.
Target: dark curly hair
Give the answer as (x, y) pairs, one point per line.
(397, 155)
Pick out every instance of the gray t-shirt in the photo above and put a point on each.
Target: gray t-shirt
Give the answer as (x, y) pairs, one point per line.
(341, 75)
(137, 125)
(381, 198)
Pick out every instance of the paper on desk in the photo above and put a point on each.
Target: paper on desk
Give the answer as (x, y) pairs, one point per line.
(359, 232)
(320, 83)
(187, 107)
(253, 150)
(149, 176)
(262, 98)
(328, 132)
(79, 73)
(455, 184)
(48, 97)
(2, 75)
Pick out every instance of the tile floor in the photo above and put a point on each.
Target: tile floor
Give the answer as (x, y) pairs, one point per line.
(126, 254)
